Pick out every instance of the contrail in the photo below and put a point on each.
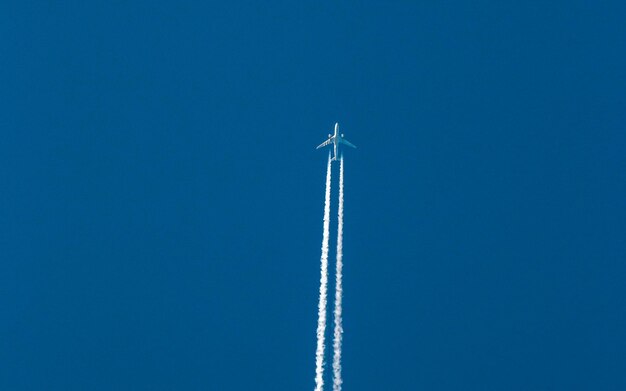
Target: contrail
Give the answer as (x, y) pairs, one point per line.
(338, 288)
(321, 311)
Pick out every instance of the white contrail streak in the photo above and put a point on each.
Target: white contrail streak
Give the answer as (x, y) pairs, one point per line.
(321, 311)
(338, 288)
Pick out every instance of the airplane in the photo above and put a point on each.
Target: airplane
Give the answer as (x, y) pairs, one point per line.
(335, 139)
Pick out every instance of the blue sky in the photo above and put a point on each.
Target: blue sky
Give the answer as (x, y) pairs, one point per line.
(162, 198)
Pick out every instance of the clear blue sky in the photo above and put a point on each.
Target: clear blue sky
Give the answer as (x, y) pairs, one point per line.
(161, 203)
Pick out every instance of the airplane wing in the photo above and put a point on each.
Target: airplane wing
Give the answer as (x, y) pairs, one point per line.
(348, 143)
(325, 143)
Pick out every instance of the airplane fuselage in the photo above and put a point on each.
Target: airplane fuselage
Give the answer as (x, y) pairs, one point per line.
(336, 140)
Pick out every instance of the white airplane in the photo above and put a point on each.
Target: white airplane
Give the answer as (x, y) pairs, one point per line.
(336, 139)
